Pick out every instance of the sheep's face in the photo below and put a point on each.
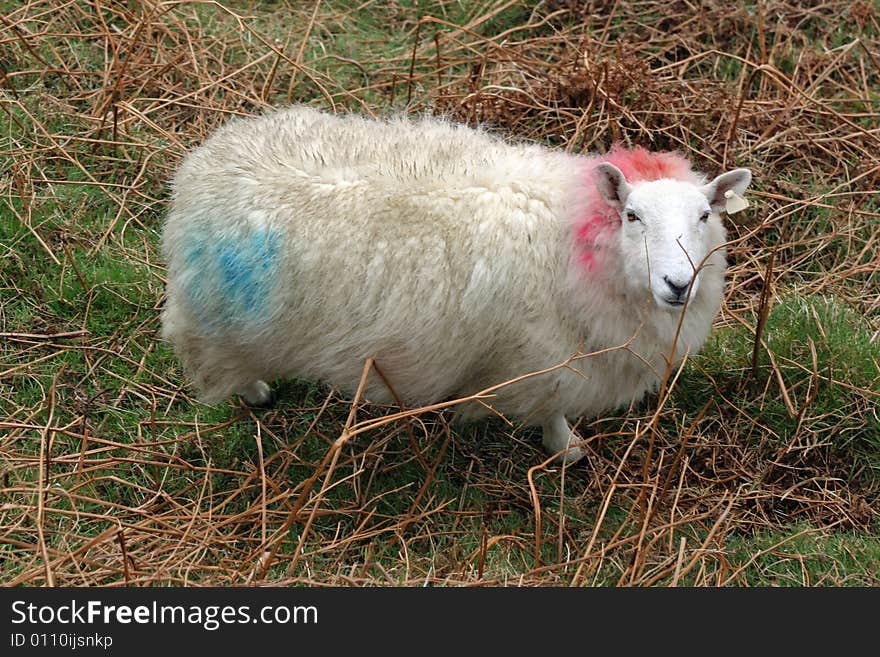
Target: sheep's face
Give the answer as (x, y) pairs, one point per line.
(667, 229)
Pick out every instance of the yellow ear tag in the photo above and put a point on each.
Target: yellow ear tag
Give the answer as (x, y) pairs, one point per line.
(734, 202)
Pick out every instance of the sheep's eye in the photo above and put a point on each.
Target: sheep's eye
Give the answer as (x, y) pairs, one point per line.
(632, 216)
(704, 217)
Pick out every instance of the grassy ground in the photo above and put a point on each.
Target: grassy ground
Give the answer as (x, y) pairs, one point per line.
(762, 464)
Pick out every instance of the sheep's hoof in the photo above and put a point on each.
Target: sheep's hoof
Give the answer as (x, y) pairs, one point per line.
(558, 436)
(259, 395)
(570, 456)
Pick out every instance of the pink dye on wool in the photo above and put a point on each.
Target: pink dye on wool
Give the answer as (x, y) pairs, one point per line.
(593, 230)
(641, 164)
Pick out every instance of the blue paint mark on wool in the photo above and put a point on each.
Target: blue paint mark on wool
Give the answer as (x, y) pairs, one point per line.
(246, 268)
(231, 279)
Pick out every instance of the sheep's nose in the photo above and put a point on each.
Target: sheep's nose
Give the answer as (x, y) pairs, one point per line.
(678, 289)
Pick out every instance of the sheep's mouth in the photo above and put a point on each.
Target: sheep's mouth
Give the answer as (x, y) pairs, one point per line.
(671, 303)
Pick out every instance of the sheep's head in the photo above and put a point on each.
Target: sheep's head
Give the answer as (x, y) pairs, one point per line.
(667, 228)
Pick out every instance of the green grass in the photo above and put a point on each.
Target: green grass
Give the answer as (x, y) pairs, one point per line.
(846, 357)
(801, 557)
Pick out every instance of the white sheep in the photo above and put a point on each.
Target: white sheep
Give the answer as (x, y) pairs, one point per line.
(300, 244)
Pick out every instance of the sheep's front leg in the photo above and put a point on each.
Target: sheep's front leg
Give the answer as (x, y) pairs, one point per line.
(558, 436)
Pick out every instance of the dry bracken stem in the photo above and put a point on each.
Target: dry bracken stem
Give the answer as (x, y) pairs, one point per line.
(536, 504)
(43, 477)
(297, 64)
(763, 311)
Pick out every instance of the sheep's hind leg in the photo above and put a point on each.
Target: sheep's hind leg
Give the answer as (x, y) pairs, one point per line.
(258, 394)
(558, 436)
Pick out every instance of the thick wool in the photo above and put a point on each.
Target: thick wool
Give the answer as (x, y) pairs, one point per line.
(300, 243)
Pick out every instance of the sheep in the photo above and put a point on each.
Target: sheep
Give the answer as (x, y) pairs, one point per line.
(301, 243)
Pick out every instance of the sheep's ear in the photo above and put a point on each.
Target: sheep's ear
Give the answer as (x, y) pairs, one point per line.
(612, 185)
(736, 181)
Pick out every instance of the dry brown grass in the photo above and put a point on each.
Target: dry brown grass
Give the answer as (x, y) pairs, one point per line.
(111, 475)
